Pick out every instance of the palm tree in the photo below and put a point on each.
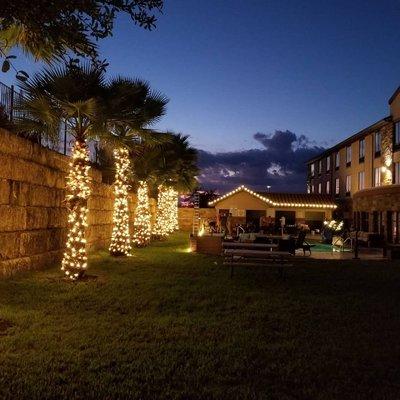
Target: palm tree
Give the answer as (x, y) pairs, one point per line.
(131, 108)
(171, 168)
(72, 95)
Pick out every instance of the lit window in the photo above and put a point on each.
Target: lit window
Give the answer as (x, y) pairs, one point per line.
(320, 167)
(397, 133)
(337, 186)
(337, 160)
(397, 173)
(377, 176)
(328, 163)
(348, 183)
(348, 154)
(312, 169)
(312, 188)
(361, 148)
(328, 187)
(361, 179)
(319, 188)
(377, 142)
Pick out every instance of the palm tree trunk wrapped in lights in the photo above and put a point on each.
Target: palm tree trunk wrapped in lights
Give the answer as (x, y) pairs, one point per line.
(120, 240)
(160, 230)
(172, 214)
(74, 262)
(142, 222)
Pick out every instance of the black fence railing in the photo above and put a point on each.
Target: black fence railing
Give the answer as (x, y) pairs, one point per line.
(9, 100)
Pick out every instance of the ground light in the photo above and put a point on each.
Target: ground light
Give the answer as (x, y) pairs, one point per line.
(120, 240)
(74, 261)
(142, 222)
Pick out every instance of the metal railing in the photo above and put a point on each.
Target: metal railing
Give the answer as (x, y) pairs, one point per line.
(9, 100)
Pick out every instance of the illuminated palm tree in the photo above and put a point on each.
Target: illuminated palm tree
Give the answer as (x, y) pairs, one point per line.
(131, 108)
(72, 95)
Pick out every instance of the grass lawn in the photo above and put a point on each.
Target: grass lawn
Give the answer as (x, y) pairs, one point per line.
(168, 324)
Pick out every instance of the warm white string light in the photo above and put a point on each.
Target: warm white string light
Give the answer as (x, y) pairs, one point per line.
(74, 262)
(160, 229)
(120, 240)
(272, 203)
(142, 222)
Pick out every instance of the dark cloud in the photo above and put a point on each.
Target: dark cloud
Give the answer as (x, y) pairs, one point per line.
(281, 164)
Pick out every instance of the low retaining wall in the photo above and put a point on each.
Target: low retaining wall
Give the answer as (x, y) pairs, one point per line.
(33, 218)
(186, 216)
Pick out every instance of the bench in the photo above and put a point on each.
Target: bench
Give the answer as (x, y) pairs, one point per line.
(243, 257)
(249, 246)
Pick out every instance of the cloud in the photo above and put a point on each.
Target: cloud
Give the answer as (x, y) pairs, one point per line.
(281, 164)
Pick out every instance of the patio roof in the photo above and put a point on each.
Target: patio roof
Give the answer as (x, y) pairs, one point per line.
(296, 200)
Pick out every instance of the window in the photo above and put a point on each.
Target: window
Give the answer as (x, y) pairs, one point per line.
(348, 184)
(328, 187)
(337, 186)
(397, 173)
(377, 143)
(337, 160)
(361, 179)
(361, 150)
(348, 155)
(319, 188)
(328, 163)
(397, 133)
(320, 167)
(312, 169)
(377, 176)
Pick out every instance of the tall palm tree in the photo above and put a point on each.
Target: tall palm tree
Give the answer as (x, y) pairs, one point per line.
(131, 108)
(72, 95)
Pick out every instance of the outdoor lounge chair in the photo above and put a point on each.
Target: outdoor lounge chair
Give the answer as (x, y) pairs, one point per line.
(301, 243)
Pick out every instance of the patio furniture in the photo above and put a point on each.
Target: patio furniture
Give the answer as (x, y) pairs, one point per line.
(301, 243)
(244, 257)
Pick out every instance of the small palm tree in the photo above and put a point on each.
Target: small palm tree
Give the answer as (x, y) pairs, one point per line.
(72, 95)
(171, 168)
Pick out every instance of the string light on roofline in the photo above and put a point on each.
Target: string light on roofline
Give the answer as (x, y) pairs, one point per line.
(269, 201)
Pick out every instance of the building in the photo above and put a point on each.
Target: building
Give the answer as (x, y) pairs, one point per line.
(247, 206)
(362, 174)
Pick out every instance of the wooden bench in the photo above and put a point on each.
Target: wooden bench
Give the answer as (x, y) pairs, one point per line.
(243, 257)
(249, 246)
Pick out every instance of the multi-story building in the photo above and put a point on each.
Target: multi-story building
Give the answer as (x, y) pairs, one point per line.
(362, 174)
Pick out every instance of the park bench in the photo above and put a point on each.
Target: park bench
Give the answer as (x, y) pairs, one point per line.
(254, 257)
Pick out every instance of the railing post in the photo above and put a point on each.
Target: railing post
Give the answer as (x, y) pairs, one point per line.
(356, 248)
(12, 103)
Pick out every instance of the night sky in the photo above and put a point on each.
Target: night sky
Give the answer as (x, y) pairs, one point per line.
(261, 86)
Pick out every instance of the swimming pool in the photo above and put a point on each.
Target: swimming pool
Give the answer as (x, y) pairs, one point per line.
(327, 248)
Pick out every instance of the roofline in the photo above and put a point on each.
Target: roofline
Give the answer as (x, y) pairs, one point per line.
(243, 188)
(351, 139)
(394, 95)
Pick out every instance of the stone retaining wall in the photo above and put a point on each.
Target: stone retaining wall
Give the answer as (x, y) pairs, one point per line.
(32, 215)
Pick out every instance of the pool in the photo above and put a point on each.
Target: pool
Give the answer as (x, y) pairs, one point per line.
(327, 248)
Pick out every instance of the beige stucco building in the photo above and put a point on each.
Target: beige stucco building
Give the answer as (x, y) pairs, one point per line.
(249, 206)
(362, 174)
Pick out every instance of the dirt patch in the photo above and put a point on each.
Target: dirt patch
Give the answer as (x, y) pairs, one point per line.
(5, 325)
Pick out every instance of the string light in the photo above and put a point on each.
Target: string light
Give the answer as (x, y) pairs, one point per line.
(167, 212)
(269, 201)
(142, 223)
(160, 229)
(120, 239)
(74, 261)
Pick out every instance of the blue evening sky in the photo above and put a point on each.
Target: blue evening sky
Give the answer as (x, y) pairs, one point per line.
(324, 69)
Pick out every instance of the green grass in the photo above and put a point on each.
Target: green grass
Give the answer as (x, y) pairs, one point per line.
(168, 324)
